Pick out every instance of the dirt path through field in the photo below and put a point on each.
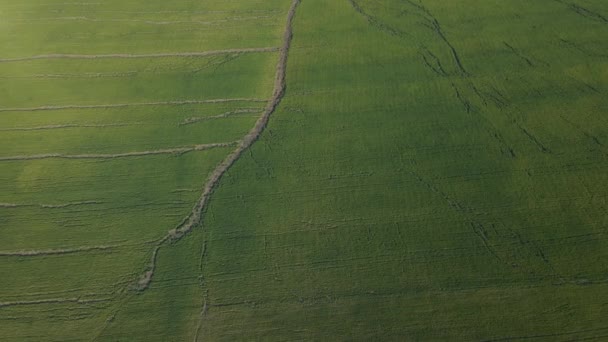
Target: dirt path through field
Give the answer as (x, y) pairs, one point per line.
(149, 22)
(49, 127)
(224, 115)
(49, 206)
(33, 253)
(149, 55)
(179, 151)
(75, 300)
(126, 105)
(194, 217)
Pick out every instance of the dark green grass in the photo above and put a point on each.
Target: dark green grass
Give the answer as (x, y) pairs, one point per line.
(378, 207)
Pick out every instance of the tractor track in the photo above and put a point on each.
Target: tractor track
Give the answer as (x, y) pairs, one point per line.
(49, 206)
(49, 252)
(177, 151)
(49, 127)
(148, 22)
(127, 105)
(133, 56)
(75, 300)
(224, 115)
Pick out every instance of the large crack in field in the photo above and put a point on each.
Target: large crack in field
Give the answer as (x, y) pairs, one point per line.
(194, 217)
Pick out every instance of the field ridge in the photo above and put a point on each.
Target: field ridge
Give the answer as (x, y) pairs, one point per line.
(127, 105)
(195, 216)
(149, 55)
(178, 151)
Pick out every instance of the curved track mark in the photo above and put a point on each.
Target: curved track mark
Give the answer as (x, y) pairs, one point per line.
(194, 217)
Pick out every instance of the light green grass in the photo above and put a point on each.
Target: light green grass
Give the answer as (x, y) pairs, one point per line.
(123, 205)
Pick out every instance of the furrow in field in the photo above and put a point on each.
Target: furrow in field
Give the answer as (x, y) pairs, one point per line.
(584, 12)
(375, 22)
(519, 54)
(586, 133)
(186, 12)
(149, 55)
(178, 151)
(34, 253)
(71, 76)
(194, 217)
(219, 116)
(53, 301)
(49, 206)
(127, 105)
(141, 21)
(49, 127)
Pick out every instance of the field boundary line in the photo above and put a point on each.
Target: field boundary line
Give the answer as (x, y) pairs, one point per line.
(149, 22)
(127, 105)
(145, 55)
(177, 151)
(49, 206)
(76, 300)
(49, 127)
(194, 218)
(224, 115)
(48, 252)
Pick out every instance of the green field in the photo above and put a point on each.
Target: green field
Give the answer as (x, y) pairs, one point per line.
(435, 170)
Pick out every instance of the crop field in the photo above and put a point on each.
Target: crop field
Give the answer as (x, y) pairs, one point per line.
(408, 170)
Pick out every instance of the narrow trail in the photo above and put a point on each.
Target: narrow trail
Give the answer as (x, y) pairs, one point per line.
(194, 217)
(149, 22)
(49, 206)
(178, 151)
(50, 127)
(73, 76)
(34, 253)
(75, 300)
(193, 120)
(127, 105)
(132, 56)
